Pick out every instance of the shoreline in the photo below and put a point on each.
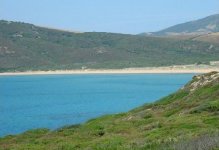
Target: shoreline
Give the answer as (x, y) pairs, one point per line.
(151, 70)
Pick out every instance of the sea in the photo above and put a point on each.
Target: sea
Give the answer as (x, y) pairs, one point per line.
(53, 101)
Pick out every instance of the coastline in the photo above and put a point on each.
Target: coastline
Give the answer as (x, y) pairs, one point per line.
(148, 70)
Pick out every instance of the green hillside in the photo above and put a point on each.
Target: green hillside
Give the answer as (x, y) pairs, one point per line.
(28, 47)
(187, 119)
(201, 26)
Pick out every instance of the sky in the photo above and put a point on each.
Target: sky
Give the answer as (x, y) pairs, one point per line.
(119, 16)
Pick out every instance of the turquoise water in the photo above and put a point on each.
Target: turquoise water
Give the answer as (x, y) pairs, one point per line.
(52, 101)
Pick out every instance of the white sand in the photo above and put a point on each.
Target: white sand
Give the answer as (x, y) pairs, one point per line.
(173, 69)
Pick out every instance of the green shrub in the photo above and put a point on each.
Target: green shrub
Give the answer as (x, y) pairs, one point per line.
(214, 105)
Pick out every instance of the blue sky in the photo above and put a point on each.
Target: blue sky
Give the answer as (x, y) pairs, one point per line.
(121, 16)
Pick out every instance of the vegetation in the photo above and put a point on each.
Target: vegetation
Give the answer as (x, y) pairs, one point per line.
(27, 47)
(208, 24)
(187, 119)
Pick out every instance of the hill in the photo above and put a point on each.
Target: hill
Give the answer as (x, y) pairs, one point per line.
(187, 119)
(205, 25)
(28, 47)
(208, 24)
(211, 37)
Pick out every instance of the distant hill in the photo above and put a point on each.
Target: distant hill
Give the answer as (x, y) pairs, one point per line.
(28, 47)
(185, 120)
(212, 37)
(206, 25)
(209, 37)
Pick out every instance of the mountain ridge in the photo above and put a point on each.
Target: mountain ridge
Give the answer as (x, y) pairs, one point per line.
(209, 24)
(25, 47)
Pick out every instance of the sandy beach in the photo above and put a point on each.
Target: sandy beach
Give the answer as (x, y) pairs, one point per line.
(169, 69)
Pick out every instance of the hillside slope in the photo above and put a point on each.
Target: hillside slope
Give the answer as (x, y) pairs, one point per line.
(187, 119)
(27, 47)
(212, 37)
(208, 24)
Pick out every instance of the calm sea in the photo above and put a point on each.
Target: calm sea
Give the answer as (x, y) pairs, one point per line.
(52, 101)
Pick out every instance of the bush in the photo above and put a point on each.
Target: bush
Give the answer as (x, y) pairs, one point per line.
(213, 106)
